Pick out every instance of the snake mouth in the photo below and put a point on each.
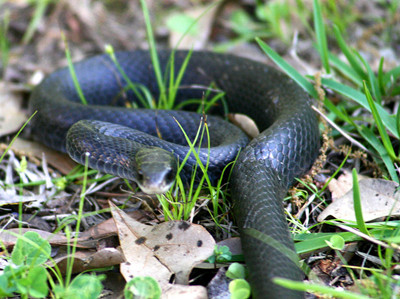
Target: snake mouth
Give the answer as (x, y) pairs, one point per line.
(159, 188)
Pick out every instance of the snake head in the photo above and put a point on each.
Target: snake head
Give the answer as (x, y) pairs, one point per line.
(156, 170)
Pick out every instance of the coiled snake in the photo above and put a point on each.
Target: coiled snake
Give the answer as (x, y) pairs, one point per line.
(286, 147)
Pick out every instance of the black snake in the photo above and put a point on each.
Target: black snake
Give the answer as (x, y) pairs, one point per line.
(286, 147)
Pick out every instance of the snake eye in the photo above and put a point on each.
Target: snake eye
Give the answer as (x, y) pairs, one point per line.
(139, 175)
(170, 176)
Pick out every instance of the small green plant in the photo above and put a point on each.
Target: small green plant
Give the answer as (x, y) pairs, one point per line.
(142, 287)
(221, 254)
(239, 289)
(84, 286)
(26, 274)
(236, 271)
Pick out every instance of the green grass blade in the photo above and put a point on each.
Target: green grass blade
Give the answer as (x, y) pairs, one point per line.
(381, 83)
(345, 69)
(141, 92)
(371, 138)
(351, 58)
(388, 120)
(336, 111)
(321, 289)
(38, 14)
(267, 239)
(174, 84)
(371, 79)
(392, 75)
(317, 241)
(4, 42)
(153, 52)
(72, 71)
(16, 136)
(288, 69)
(398, 121)
(357, 204)
(382, 130)
(321, 35)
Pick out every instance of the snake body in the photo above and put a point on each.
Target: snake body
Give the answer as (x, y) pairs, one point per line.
(286, 147)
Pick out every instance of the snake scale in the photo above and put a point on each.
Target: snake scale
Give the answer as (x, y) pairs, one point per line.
(286, 147)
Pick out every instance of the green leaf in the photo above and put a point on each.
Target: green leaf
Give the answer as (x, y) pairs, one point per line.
(221, 254)
(38, 287)
(30, 249)
(239, 289)
(6, 287)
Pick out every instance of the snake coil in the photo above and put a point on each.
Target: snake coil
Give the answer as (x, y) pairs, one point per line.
(286, 147)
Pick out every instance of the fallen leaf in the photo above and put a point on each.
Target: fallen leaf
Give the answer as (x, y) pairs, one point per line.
(379, 198)
(245, 123)
(10, 197)
(11, 115)
(176, 291)
(86, 260)
(9, 237)
(173, 247)
(197, 37)
(58, 160)
(342, 185)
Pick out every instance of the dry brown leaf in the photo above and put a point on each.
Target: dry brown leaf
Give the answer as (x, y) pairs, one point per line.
(140, 260)
(173, 247)
(11, 115)
(194, 40)
(107, 228)
(9, 237)
(58, 160)
(379, 198)
(245, 123)
(9, 197)
(342, 185)
(177, 291)
(85, 260)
